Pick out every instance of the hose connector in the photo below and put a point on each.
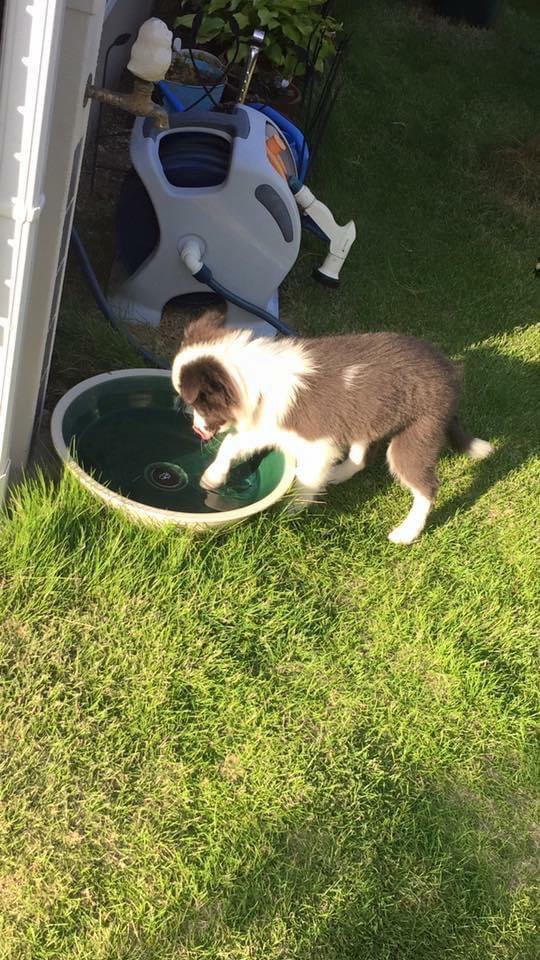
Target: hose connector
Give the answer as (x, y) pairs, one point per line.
(192, 250)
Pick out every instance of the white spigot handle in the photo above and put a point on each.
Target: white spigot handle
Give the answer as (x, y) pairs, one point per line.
(151, 53)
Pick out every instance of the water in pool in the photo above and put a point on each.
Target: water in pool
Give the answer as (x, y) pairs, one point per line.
(151, 455)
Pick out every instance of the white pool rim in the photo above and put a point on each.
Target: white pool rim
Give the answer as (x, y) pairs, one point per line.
(140, 511)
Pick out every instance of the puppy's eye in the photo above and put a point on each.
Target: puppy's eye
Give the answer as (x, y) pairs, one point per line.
(202, 397)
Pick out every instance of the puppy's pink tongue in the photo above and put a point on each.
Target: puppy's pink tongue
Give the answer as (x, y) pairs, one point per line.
(203, 434)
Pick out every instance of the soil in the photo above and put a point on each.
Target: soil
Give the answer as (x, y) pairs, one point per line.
(182, 70)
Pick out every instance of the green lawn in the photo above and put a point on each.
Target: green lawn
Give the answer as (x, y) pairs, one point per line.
(297, 741)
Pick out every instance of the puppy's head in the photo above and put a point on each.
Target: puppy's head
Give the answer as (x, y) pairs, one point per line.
(210, 391)
(206, 375)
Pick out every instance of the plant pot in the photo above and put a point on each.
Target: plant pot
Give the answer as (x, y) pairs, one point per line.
(287, 101)
(183, 83)
(265, 89)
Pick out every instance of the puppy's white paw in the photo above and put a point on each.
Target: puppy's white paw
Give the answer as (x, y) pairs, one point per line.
(480, 449)
(212, 479)
(403, 534)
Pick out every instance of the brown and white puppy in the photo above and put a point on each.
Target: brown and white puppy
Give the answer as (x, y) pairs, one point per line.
(323, 400)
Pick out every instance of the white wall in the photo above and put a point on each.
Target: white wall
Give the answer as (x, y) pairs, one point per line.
(43, 126)
(45, 213)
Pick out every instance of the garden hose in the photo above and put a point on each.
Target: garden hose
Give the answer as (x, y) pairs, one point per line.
(204, 275)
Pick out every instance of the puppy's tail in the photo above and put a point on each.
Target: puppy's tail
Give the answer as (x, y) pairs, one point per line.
(463, 442)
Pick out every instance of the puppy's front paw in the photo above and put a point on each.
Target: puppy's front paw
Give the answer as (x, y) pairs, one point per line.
(213, 478)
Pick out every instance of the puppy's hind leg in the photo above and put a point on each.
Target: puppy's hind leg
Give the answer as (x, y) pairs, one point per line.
(463, 441)
(356, 461)
(412, 457)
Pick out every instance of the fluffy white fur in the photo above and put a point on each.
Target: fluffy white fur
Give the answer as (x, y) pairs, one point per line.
(256, 366)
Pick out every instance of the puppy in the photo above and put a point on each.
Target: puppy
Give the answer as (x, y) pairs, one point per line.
(325, 401)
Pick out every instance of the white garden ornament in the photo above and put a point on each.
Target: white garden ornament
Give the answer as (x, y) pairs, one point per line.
(152, 51)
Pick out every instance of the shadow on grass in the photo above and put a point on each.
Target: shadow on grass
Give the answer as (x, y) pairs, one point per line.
(408, 869)
(506, 412)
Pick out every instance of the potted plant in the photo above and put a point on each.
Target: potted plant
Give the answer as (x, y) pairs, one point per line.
(294, 29)
(196, 78)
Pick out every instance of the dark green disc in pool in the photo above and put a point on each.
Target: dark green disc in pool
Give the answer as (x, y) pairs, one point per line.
(130, 435)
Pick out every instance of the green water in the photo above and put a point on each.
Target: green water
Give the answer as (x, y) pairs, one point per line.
(129, 435)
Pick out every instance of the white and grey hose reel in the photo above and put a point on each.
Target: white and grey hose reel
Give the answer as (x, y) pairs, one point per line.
(214, 204)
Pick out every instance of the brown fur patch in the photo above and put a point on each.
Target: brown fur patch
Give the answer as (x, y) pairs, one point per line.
(367, 387)
(208, 388)
(374, 387)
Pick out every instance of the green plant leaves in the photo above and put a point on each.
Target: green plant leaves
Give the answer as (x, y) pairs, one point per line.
(210, 28)
(287, 24)
(242, 20)
(267, 17)
(184, 21)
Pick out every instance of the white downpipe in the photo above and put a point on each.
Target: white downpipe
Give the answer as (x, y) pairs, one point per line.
(29, 59)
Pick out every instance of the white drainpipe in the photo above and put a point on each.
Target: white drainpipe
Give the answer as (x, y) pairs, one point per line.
(48, 49)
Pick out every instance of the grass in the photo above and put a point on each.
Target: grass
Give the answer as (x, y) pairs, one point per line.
(296, 740)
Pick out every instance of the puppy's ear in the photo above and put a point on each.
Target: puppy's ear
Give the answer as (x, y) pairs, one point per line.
(206, 328)
(207, 376)
(190, 382)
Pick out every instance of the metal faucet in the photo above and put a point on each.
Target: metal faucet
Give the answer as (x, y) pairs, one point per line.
(139, 101)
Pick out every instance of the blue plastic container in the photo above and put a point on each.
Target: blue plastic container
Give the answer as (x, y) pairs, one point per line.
(296, 140)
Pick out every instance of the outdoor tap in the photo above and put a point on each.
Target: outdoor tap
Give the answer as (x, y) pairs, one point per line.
(150, 60)
(139, 101)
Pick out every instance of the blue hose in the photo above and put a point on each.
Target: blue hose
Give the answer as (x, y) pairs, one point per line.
(204, 275)
(172, 99)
